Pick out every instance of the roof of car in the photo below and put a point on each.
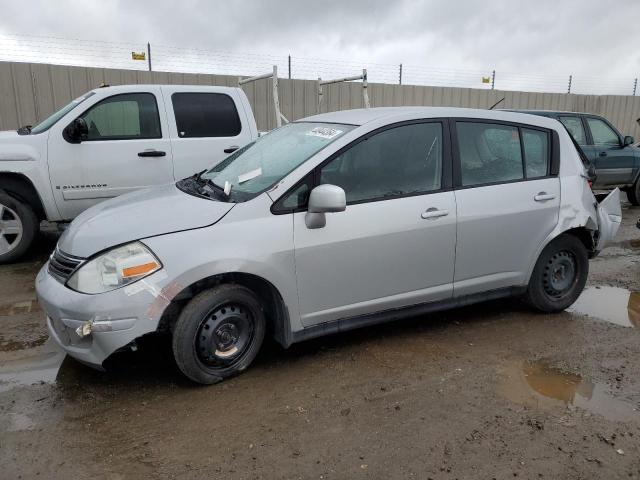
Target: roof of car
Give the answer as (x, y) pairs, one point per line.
(362, 116)
(545, 112)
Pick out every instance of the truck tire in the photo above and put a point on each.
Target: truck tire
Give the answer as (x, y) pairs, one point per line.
(218, 333)
(559, 276)
(633, 193)
(18, 227)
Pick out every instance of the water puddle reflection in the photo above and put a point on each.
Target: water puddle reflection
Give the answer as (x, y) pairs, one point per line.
(611, 304)
(36, 369)
(541, 386)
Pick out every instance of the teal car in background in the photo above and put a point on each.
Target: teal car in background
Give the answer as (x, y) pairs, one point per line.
(615, 158)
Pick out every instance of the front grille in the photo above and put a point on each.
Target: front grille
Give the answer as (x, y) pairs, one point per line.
(62, 265)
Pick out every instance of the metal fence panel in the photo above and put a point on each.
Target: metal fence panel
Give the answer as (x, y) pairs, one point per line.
(31, 92)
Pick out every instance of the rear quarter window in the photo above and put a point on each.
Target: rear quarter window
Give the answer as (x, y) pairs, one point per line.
(205, 115)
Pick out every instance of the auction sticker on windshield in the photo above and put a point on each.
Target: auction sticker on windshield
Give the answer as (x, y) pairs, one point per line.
(324, 132)
(245, 177)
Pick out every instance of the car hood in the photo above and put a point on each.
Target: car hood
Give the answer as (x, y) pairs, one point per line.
(138, 215)
(8, 134)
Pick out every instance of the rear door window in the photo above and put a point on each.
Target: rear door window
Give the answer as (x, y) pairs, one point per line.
(536, 152)
(489, 153)
(575, 128)
(205, 115)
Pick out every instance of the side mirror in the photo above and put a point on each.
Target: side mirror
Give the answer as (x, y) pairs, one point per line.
(591, 173)
(628, 141)
(77, 131)
(324, 199)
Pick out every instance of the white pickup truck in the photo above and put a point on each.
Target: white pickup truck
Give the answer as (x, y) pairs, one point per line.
(111, 141)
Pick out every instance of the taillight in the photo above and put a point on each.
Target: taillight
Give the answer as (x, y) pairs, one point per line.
(590, 182)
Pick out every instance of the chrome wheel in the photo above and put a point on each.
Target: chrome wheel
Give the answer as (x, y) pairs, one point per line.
(560, 274)
(224, 336)
(11, 229)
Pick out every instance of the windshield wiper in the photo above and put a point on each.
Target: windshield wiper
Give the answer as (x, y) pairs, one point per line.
(26, 130)
(211, 186)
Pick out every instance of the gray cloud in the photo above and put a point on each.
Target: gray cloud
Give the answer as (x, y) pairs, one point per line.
(549, 38)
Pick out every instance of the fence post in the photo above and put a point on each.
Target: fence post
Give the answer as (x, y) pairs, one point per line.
(149, 54)
(635, 85)
(400, 76)
(569, 87)
(289, 67)
(493, 79)
(34, 89)
(365, 86)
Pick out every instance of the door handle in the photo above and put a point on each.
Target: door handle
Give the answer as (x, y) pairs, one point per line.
(602, 154)
(231, 149)
(544, 196)
(152, 153)
(434, 213)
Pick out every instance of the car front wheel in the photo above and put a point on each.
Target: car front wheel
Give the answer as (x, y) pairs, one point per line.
(218, 333)
(559, 275)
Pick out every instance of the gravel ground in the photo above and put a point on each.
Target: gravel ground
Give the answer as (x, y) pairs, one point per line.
(488, 391)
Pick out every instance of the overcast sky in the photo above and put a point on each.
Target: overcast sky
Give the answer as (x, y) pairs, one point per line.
(544, 41)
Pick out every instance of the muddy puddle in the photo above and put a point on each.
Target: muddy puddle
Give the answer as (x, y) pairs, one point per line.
(633, 244)
(610, 304)
(39, 368)
(539, 385)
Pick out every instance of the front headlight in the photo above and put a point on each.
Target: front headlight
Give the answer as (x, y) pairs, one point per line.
(114, 269)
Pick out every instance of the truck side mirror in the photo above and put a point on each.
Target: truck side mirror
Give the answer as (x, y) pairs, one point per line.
(591, 173)
(628, 141)
(324, 199)
(77, 131)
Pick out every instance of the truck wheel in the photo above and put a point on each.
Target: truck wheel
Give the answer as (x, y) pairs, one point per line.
(218, 333)
(559, 275)
(18, 227)
(633, 193)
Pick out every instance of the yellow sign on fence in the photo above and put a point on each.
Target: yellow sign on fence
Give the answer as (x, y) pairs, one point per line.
(138, 56)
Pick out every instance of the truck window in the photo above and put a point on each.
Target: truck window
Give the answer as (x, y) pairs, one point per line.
(124, 117)
(205, 115)
(51, 120)
(574, 126)
(602, 133)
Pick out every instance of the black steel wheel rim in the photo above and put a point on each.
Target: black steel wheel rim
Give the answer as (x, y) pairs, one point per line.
(224, 335)
(560, 274)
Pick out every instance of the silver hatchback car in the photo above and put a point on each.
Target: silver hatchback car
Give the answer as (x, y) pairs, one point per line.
(337, 221)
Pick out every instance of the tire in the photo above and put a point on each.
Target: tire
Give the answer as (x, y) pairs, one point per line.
(19, 227)
(633, 193)
(218, 334)
(559, 275)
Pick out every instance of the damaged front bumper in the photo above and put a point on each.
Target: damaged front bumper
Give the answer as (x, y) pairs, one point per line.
(91, 327)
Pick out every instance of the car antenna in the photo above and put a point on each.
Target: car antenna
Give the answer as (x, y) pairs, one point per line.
(497, 103)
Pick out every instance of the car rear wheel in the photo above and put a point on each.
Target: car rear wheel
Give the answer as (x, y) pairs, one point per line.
(559, 275)
(218, 333)
(18, 228)
(633, 193)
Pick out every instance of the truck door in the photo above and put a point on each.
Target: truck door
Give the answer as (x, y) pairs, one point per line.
(615, 163)
(127, 148)
(206, 125)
